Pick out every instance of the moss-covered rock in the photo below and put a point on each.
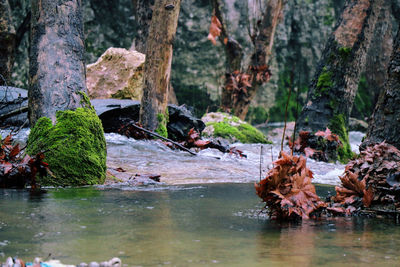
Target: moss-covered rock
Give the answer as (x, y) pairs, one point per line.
(231, 128)
(75, 147)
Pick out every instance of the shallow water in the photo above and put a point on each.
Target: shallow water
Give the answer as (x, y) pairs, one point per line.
(210, 166)
(187, 225)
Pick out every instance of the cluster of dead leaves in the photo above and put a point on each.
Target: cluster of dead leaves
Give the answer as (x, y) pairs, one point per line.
(16, 169)
(262, 73)
(371, 179)
(130, 131)
(311, 145)
(287, 190)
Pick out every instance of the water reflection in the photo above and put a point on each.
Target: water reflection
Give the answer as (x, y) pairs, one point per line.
(183, 225)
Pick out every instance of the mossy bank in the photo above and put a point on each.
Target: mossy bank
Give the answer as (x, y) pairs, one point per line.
(231, 128)
(74, 147)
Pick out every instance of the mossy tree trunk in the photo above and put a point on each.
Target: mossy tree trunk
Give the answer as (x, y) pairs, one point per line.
(143, 14)
(7, 40)
(236, 98)
(56, 67)
(332, 91)
(156, 80)
(385, 122)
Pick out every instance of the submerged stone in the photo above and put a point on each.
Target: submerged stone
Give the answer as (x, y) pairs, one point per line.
(74, 148)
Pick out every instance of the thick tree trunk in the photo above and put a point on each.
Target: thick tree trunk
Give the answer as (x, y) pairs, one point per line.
(240, 88)
(385, 122)
(7, 40)
(56, 68)
(156, 80)
(331, 94)
(143, 14)
(379, 53)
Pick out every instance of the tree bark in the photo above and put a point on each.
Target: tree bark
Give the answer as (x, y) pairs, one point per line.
(385, 122)
(56, 67)
(7, 40)
(332, 91)
(156, 80)
(237, 93)
(379, 53)
(143, 14)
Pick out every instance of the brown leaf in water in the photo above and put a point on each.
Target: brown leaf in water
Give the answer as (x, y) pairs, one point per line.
(287, 189)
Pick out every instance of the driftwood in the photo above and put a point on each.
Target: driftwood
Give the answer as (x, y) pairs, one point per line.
(159, 136)
(14, 112)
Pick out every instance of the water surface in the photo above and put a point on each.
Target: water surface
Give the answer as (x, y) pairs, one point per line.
(186, 225)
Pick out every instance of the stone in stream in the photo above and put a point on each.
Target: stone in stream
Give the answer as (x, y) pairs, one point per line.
(114, 113)
(12, 98)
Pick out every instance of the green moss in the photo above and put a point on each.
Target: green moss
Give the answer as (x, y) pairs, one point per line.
(244, 132)
(324, 82)
(75, 147)
(162, 124)
(337, 126)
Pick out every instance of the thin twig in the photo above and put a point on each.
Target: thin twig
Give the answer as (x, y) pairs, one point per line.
(261, 152)
(286, 110)
(161, 137)
(296, 116)
(14, 112)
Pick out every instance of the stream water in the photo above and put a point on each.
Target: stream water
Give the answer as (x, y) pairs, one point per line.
(205, 213)
(183, 225)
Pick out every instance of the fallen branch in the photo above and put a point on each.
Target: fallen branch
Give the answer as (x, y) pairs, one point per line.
(159, 136)
(14, 112)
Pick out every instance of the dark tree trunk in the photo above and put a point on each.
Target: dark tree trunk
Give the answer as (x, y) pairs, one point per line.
(237, 95)
(156, 82)
(332, 91)
(143, 14)
(7, 40)
(56, 67)
(379, 53)
(385, 122)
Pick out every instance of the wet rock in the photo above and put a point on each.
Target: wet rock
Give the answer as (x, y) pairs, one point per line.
(357, 125)
(94, 264)
(82, 264)
(115, 113)
(231, 128)
(118, 73)
(12, 98)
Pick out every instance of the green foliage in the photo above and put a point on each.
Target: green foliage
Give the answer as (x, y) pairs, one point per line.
(337, 126)
(363, 102)
(257, 115)
(162, 124)
(233, 129)
(277, 112)
(75, 147)
(324, 82)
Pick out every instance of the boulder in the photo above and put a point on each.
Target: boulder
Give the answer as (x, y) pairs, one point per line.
(117, 73)
(231, 128)
(115, 113)
(11, 99)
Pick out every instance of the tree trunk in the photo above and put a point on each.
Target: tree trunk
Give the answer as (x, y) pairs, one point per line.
(379, 53)
(385, 122)
(7, 40)
(156, 80)
(332, 91)
(143, 14)
(240, 88)
(56, 67)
